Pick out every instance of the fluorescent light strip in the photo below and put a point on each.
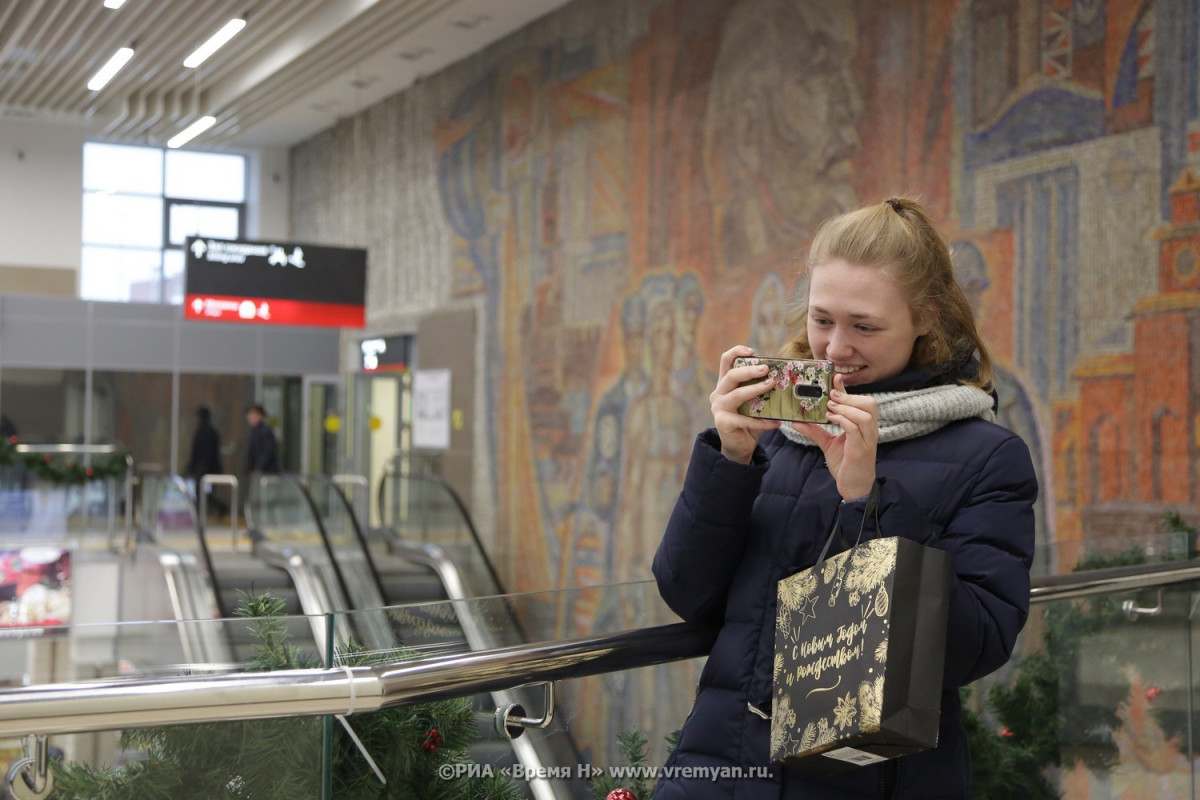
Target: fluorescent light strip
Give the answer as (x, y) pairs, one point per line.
(191, 132)
(218, 39)
(113, 3)
(106, 73)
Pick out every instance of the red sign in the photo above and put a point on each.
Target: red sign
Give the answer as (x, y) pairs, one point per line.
(273, 310)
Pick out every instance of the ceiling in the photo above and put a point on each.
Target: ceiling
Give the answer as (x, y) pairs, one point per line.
(297, 68)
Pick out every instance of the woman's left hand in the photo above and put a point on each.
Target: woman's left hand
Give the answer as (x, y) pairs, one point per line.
(850, 455)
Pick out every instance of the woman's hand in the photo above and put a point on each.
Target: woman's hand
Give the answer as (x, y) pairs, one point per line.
(739, 433)
(850, 455)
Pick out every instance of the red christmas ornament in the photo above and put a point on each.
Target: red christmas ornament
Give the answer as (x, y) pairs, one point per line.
(88, 472)
(12, 439)
(620, 794)
(433, 740)
(1152, 693)
(1006, 733)
(46, 459)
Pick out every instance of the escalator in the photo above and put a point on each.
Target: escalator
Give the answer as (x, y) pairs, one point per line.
(305, 544)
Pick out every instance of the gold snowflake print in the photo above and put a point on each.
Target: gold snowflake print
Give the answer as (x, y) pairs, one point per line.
(843, 714)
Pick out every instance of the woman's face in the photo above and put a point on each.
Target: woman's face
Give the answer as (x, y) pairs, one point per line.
(859, 318)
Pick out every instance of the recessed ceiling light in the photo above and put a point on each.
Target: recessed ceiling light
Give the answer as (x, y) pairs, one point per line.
(111, 68)
(218, 39)
(113, 3)
(191, 132)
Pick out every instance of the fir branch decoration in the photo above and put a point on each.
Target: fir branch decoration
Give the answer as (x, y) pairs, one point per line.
(44, 466)
(633, 745)
(281, 759)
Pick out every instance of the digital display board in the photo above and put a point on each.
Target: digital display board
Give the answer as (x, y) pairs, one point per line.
(275, 283)
(386, 354)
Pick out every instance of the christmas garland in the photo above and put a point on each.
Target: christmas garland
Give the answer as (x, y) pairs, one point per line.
(44, 466)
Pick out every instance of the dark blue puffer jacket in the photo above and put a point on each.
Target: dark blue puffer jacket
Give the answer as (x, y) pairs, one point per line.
(967, 488)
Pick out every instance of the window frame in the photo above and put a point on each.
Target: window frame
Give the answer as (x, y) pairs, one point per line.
(168, 202)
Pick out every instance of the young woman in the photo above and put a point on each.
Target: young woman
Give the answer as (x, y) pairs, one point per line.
(911, 411)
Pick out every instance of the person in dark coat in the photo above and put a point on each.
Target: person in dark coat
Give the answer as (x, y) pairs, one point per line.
(911, 414)
(262, 455)
(205, 458)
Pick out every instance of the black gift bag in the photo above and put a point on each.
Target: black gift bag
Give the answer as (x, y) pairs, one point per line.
(860, 642)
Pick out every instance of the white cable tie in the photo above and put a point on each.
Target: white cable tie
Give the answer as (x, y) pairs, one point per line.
(362, 748)
(353, 688)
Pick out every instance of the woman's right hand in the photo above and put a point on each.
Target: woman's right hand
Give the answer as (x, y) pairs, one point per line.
(739, 433)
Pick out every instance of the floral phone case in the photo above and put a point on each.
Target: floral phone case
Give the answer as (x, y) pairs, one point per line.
(800, 393)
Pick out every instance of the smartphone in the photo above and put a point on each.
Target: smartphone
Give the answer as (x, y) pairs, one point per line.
(800, 393)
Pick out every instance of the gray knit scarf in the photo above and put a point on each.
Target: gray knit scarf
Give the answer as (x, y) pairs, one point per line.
(907, 415)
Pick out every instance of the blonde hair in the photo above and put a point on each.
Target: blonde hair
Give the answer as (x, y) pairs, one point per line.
(897, 235)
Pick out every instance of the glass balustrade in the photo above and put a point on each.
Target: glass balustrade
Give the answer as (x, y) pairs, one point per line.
(1098, 701)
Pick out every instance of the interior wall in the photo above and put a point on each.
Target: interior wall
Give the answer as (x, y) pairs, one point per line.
(625, 189)
(41, 203)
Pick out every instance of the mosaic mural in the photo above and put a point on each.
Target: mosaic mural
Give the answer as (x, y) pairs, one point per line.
(626, 194)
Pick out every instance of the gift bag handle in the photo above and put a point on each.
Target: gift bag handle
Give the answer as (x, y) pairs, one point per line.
(871, 508)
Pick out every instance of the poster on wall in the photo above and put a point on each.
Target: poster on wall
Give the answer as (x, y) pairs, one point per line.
(274, 283)
(431, 409)
(35, 589)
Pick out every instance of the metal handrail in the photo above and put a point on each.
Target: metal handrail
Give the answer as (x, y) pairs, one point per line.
(111, 705)
(107, 705)
(1113, 579)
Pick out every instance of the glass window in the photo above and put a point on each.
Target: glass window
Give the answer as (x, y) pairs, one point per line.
(173, 277)
(125, 227)
(120, 274)
(206, 176)
(122, 219)
(115, 168)
(189, 219)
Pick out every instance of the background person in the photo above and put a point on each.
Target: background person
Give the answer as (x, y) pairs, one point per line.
(205, 458)
(911, 412)
(262, 454)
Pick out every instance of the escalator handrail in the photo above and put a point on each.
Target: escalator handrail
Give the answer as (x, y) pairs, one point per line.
(359, 537)
(343, 587)
(462, 510)
(105, 705)
(205, 551)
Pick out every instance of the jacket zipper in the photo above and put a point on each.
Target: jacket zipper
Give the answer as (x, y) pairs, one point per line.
(889, 780)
